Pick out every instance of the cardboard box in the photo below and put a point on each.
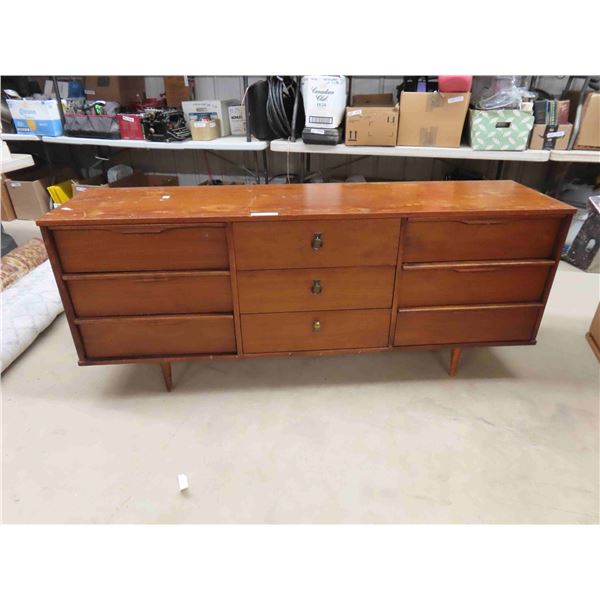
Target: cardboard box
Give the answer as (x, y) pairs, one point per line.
(373, 100)
(36, 116)
(28, 193)
(372, 120)
(137, 179)
(8, 212)
(81, 185)
(589, 128)
(203, 131)
(178, 90)
(237, 120)
(507, 129)
(432, 118)
(214, 109)
(124, 90)
(550, 137)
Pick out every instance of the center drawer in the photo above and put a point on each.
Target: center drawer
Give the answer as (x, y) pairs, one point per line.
(480, 239)
(118, 294)
(324, 330)
(157, 336)
(319, 243)
(142, 248)
(311, 289)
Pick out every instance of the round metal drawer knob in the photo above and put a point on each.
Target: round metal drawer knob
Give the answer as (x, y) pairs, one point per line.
(316, 326)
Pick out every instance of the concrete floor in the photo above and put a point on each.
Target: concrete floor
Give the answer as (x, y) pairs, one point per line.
(381, 438)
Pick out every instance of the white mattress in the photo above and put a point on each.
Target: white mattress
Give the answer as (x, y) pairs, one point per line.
(28, 307)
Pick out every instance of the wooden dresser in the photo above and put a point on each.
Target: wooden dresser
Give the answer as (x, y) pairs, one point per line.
(168, 274)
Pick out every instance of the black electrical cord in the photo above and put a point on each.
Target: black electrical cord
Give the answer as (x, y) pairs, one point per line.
(280, 100)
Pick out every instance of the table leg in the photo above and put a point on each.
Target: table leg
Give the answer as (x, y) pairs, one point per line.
(167, 375)
(454, 358)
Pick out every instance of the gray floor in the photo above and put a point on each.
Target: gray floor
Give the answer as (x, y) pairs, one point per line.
(382, 438)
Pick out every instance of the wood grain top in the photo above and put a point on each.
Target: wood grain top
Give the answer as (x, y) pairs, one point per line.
(302, 201)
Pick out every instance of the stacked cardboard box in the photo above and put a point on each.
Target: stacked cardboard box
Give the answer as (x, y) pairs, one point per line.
(432, 118)
(372, 120)
(27, 189)
(588, 136)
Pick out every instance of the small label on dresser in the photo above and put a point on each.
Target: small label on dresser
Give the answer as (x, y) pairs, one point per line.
(264, 214)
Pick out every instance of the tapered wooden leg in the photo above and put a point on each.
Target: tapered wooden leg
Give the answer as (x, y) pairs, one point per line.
(167, 376)
(454, 358)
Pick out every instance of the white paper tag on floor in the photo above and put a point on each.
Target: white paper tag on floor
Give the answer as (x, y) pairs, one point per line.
(183, 482)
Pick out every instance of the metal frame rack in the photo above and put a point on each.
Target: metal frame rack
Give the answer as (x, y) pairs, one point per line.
(293, 146)
(225, 144)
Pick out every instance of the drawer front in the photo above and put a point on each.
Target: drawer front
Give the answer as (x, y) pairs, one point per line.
(151, 294)
(428, 241)
(158, 336)
(325, 330)
(462, 325)
(141, 248)
(309, 244)
(471, 284)
(314, 289)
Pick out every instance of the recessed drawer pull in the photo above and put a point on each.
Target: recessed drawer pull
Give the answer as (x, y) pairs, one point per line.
(316, 287)
(485, 222)
(152, 279)
(475, 269)
(317, 241)
(140, 230)
(316, 326)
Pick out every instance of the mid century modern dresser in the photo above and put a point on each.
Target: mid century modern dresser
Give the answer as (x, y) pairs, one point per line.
(169, 274)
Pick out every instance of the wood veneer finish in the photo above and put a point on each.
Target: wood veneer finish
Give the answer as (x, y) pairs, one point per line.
(157, 336)
(289, 244)
(175, 292)
(459, 324)
(141, 248)
(304, 201)
(480, 239)
(436, 284)
(314, 289)
(163, 275)
(277, 332)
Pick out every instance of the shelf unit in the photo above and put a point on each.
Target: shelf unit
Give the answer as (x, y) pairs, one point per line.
(224, 144)
(580, 156)
(229, 143)
(464, 152)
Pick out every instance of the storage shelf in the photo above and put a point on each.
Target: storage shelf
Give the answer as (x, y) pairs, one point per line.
(20, 137)
(584, 156)
(234, 143)
(16, 162)
(239, 143)
(463, 152)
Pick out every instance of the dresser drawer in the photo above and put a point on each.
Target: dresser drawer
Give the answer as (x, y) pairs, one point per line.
(325, 330)
(118, 294)
(456, 325)
(141, 248)
(312, 289)
(158, 336)
(476, 239)
(438, 284)
(309, 244)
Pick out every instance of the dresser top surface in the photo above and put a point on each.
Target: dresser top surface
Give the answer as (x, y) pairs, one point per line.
(302, 201)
